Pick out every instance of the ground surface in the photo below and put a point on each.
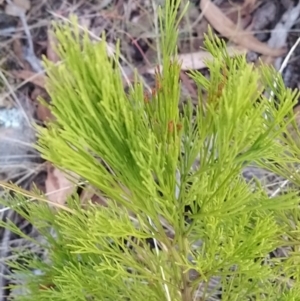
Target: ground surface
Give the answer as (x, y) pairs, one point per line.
(25, 28)
(25, 37)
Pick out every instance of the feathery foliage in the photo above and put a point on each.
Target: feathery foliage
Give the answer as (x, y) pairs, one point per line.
(181, 223)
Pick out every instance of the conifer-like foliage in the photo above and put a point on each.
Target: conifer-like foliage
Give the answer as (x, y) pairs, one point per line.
(181, 223)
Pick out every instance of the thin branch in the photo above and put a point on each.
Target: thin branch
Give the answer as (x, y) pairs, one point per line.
(161, 268)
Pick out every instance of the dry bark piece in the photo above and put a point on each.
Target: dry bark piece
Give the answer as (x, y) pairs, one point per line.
(58, 185)
(229, 30)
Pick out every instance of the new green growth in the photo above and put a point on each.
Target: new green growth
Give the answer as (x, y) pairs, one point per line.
(181, 222)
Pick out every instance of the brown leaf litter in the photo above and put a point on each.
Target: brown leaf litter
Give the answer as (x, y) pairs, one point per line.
(17, 7)
(197, 60)
(231, 21)
(30, 76)
(220, 22)
(59, 185)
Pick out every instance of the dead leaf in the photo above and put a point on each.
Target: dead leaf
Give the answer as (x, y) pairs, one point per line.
(43, 44)
(197, 60)
(29, 76)
(90, 194)
(185, 79)
(14, 10)
(97, 199)
(86, 195)
(38, 92)
(17, 7)
(51, 52)
(235, 14)
(266, 60)
(229, 30)
(24, 4)
(248, 6)
(43, 113)
(17, 48)
(58, 185)
(18, 51)
(33, 196)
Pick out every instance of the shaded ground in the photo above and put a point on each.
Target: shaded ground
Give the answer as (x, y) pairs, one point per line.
(25, 37)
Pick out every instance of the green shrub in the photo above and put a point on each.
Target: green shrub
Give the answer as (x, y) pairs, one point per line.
(181, 222)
